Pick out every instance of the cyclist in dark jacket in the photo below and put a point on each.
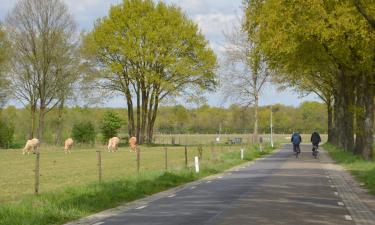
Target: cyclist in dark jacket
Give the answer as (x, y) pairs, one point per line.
(296, 140)
(315, 139)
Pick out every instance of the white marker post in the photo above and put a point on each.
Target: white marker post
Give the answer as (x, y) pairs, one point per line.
(242, 154)
(196, 164)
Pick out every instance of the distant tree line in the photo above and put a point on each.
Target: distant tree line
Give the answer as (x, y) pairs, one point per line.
(97, 124)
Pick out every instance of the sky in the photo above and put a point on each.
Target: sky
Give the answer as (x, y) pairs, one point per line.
(213, 18)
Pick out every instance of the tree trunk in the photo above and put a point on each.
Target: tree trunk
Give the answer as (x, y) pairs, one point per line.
(33, 118)
(255, 132)
(138, 115)
(364, 118)
(149, 117)
(153, 119)
(145, 99)
(330, 121)
(345, 118)
(60, 124)
(42, 112)
(130, 117)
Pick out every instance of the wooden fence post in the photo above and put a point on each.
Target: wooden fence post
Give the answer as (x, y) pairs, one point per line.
(166, 158)
(138, 159)
(186, 157)
(37, 174)
(99, 157)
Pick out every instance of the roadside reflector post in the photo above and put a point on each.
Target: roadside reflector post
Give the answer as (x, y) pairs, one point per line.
(196, 164)
(242, 153)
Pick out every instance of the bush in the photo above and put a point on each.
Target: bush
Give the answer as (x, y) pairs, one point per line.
(110, 125)
(84, 132)
(6, 134)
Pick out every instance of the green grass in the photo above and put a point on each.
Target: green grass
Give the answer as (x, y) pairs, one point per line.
(362, 169)
(70, 190)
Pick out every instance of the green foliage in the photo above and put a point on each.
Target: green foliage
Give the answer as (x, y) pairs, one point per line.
(84, 132)
(6, 134)
(110, 125)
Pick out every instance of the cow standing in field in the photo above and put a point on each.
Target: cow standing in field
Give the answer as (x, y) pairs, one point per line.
(113, 144)
(68, 145)
(31, 145)
(133, 144)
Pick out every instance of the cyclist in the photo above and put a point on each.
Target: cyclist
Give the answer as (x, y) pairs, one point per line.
(296, 140)
(315, 140)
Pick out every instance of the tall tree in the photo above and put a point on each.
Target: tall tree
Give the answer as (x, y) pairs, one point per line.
(148, 51)
(43, 35)
(4, 56)
(244, 72)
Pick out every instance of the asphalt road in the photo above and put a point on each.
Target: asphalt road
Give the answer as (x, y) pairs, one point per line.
(279, 189)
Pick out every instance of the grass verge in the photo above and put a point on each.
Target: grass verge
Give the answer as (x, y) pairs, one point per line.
(363, 170)
(73, 203)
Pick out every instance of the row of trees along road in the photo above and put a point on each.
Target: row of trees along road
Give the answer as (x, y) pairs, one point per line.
(326, 47)
(148, 51)
(144, 50)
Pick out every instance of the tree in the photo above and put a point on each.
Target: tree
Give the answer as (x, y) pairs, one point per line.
(149, 51)
(42, 34)
(244, 72)
(84, 132)
(337, 44)
(110, 125)
(4, 55)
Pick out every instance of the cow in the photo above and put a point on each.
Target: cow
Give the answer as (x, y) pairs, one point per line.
(31, 145)
(113, 144)
(68, 145)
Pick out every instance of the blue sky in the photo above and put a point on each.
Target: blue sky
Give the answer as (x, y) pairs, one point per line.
(212, 16)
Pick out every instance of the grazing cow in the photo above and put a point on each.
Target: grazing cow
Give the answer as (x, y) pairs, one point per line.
(68, 145)
(133, 143)
(113, 144)
(31, 145)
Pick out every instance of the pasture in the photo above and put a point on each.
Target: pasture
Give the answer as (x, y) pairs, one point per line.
(59, 170)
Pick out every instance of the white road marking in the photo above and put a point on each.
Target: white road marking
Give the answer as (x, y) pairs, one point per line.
(208, 182)
(347, 217)
(327, 177)
(219, 177)
(332, 186)
(171, 196)
(141, 207)
(336, 193)
(98, 223)
(340, 203)
(193, 187)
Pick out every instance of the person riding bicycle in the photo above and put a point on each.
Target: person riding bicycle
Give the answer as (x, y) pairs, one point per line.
(315, 140)
(296, 140)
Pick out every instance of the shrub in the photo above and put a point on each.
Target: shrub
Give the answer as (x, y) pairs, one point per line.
(84, 132)
(6, 134)
(110, 125)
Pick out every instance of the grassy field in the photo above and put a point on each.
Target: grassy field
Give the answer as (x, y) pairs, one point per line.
(194, 139)
(363, 170)
(80, 167)
(69, 187)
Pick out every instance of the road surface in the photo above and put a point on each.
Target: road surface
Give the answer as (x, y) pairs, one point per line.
(279, 189)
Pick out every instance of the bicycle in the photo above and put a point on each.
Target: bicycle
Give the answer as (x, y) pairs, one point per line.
(297, 151)
(315, 151)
